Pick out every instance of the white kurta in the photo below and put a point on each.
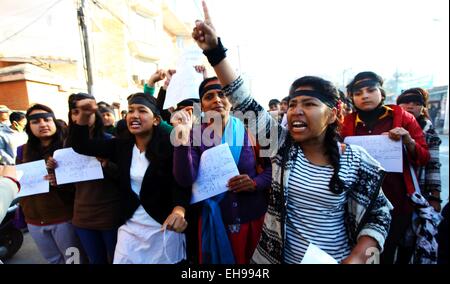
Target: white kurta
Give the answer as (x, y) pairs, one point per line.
(142, 240)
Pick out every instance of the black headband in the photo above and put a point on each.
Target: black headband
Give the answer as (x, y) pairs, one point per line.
(143, 99)
(41, 115)
(409, 98)
(215, 87)
(365, 83)
(186, 103)
(329, 101)
(74, 98)
(105, 109)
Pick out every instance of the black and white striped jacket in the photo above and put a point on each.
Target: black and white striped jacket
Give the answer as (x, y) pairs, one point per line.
(365, 193)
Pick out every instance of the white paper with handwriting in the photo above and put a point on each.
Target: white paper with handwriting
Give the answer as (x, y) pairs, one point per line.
(73, 167)
(31, 178)
(217, 166)
(387, 152)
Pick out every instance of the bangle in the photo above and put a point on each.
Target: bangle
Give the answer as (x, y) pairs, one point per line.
(14, 180)
(217, 54)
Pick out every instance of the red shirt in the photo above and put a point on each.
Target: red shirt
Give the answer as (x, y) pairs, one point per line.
(396, 186)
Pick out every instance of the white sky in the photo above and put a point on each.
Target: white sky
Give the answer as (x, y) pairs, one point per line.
(282, 40)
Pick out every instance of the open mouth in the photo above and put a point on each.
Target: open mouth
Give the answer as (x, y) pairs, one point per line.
(299, 126)
(135, 125)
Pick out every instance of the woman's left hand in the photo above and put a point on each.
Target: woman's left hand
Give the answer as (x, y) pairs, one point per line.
(176, 222)
(398, 133)
(363, 252)
(103, 162)
(354, 259)
(241, 183)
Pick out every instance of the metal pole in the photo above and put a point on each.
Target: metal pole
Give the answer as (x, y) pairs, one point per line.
(87, 54)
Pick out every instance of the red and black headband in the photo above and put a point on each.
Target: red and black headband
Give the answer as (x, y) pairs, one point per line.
(365, 83)
(412, 96)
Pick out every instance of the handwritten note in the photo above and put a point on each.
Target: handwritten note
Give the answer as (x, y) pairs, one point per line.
(314, 255)
(73, 167)
(31, 178)
(217, 166)
(185, 82)
(383, 149)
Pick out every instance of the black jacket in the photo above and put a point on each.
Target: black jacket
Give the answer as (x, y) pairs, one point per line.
(159, 192)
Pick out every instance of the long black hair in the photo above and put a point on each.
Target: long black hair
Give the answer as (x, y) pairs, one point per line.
(332, 136)
(34, 149)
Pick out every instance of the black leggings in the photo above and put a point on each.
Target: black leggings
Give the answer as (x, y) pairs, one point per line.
(393, 243)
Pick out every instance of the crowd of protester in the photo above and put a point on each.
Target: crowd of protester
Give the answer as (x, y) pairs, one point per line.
(312, 188)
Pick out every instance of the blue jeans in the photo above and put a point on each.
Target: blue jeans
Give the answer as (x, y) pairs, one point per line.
(99, 245)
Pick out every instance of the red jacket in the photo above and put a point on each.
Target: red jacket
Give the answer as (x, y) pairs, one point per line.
(406, 120)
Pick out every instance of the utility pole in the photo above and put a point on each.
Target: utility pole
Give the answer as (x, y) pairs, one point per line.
(87, 54)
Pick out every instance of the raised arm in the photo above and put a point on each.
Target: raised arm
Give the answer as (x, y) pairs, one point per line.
(186, 158)
(234, 86)
(81, 142)
(205, 35)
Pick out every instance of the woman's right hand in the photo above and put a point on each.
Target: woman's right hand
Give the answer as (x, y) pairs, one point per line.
(51, 179)
(168, 75)
(51, 163)
(202, 70)
(204, 32)
(87, 108)
(182, 123)
(159, 75)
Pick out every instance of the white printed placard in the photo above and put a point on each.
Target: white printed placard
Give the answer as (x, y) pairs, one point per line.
(216, 168)
(73, 167)
(31, 178)
(386, 151)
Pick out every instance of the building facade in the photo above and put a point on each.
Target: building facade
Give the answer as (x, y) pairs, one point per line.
(128, 41)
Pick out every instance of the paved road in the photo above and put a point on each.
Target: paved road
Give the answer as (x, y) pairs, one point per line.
(29, 253)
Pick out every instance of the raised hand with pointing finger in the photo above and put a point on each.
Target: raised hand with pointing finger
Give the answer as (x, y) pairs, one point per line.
(204, 32)
(205, 35)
